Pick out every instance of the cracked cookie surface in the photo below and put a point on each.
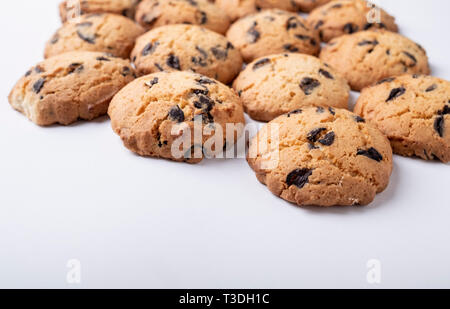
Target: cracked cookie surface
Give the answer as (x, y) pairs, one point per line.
(71, 86)
(69, 9)
(107, 33)
(366, 57)
(145, 113)
(273, 32)
(349, 16)
(322, 157)
(155, 13)
(413, 112)
(277, 84)
(187, 47)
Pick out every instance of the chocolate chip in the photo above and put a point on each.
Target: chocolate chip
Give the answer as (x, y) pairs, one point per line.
(153, 82)
(219, 52)
(326, 74)
(370, 25)
(371, 153)
(431, 88)
(198, 92)
(75, 68)
(86, 38)
(205, 81)
(445, 111)
(294, 112)
(319, 24)
(200, 60)
(261, 63)
(173, 62)
(439, 125)
(350, 28)
(290, 48)
(336, 6)
(313, 136)
(411, 56)
(332, 111)
(395, 93)
(309, 84)
(386, 80)
(204, 103)
(54, 39)
(359, 119)
(201, 17)
(320, 110)
(293, 23)
(176, 114)
(159, 67)
(149, 48)
(253, 34)
(299, 177)
(328, 139)
(126, 71)
(37, 86)
(367, 42)
(28, 73)
(101, 58)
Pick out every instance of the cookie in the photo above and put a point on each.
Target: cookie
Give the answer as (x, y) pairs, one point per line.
(349, 16)
(71, 86)
(273, 32)
(274, 85)
(236, 9)
(70, 9)
(108, 33)
(148, 113)
(155, 13)
(366, 57)
(322, 157)
(413, 112)
(187, 47)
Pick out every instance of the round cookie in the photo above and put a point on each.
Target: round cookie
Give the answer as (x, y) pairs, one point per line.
(277, 84)
(71, 86)
(155, 13)
(341, 17)
(108, 33)
(366, 57)
(413, 112)
(187, 47)
(148, 113)
(273, 32)
(322, 157)
(71, 9)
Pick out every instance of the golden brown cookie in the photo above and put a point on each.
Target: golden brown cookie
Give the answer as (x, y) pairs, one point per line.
(69, 9)
(277, 84)
(322, 157)
(187, 47)
(149, 112)
(273, 32)
(155, 13)
(366, 57)
(71, 86)
(341, 17)
(107, 33)
(413, 112)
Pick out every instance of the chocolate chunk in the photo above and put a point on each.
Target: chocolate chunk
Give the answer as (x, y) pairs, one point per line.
(86, 38)
(336, 6)
(320, 110)
(290, 48)
(198, 92)
(309, 84)
(350, 28)
(149, 48)
(176, 114)
(378, 25)
(201, 17)
(204, 103)
(328, 139)
(367, 42)
(359, 119)
(253, 34)
(173, 62)
(326, 74)
(299, 177)
(332, 111)
(219, 52)
(37, 86)
(205, 81)
(313, 136)
(28, 73)
(386, 80)
(319, 24)
(202, 59)
(159, 67)
(126, 71)
(293, 23)
(153, 82)
(75, 68)
(395, 93)
(411, 56)
(261, 63)
(294, 112)
(439, 125)
(101, 58)
(54, 39)
(371, 153)
(445, 111)
(431, 88)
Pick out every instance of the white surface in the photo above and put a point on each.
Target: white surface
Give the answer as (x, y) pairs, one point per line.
(76, 193)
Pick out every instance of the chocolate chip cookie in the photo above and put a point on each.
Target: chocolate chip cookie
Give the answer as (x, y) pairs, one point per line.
(413, 112)
(322, 157)
(155, 13)
(366, 57)
(152, 114)
(71, 9)
(108, 33)
(71, 86)
(187, 47)
(277, 84)
(272, 32)
(348, 16)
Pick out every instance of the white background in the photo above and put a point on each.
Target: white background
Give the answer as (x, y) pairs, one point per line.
(76, 193)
